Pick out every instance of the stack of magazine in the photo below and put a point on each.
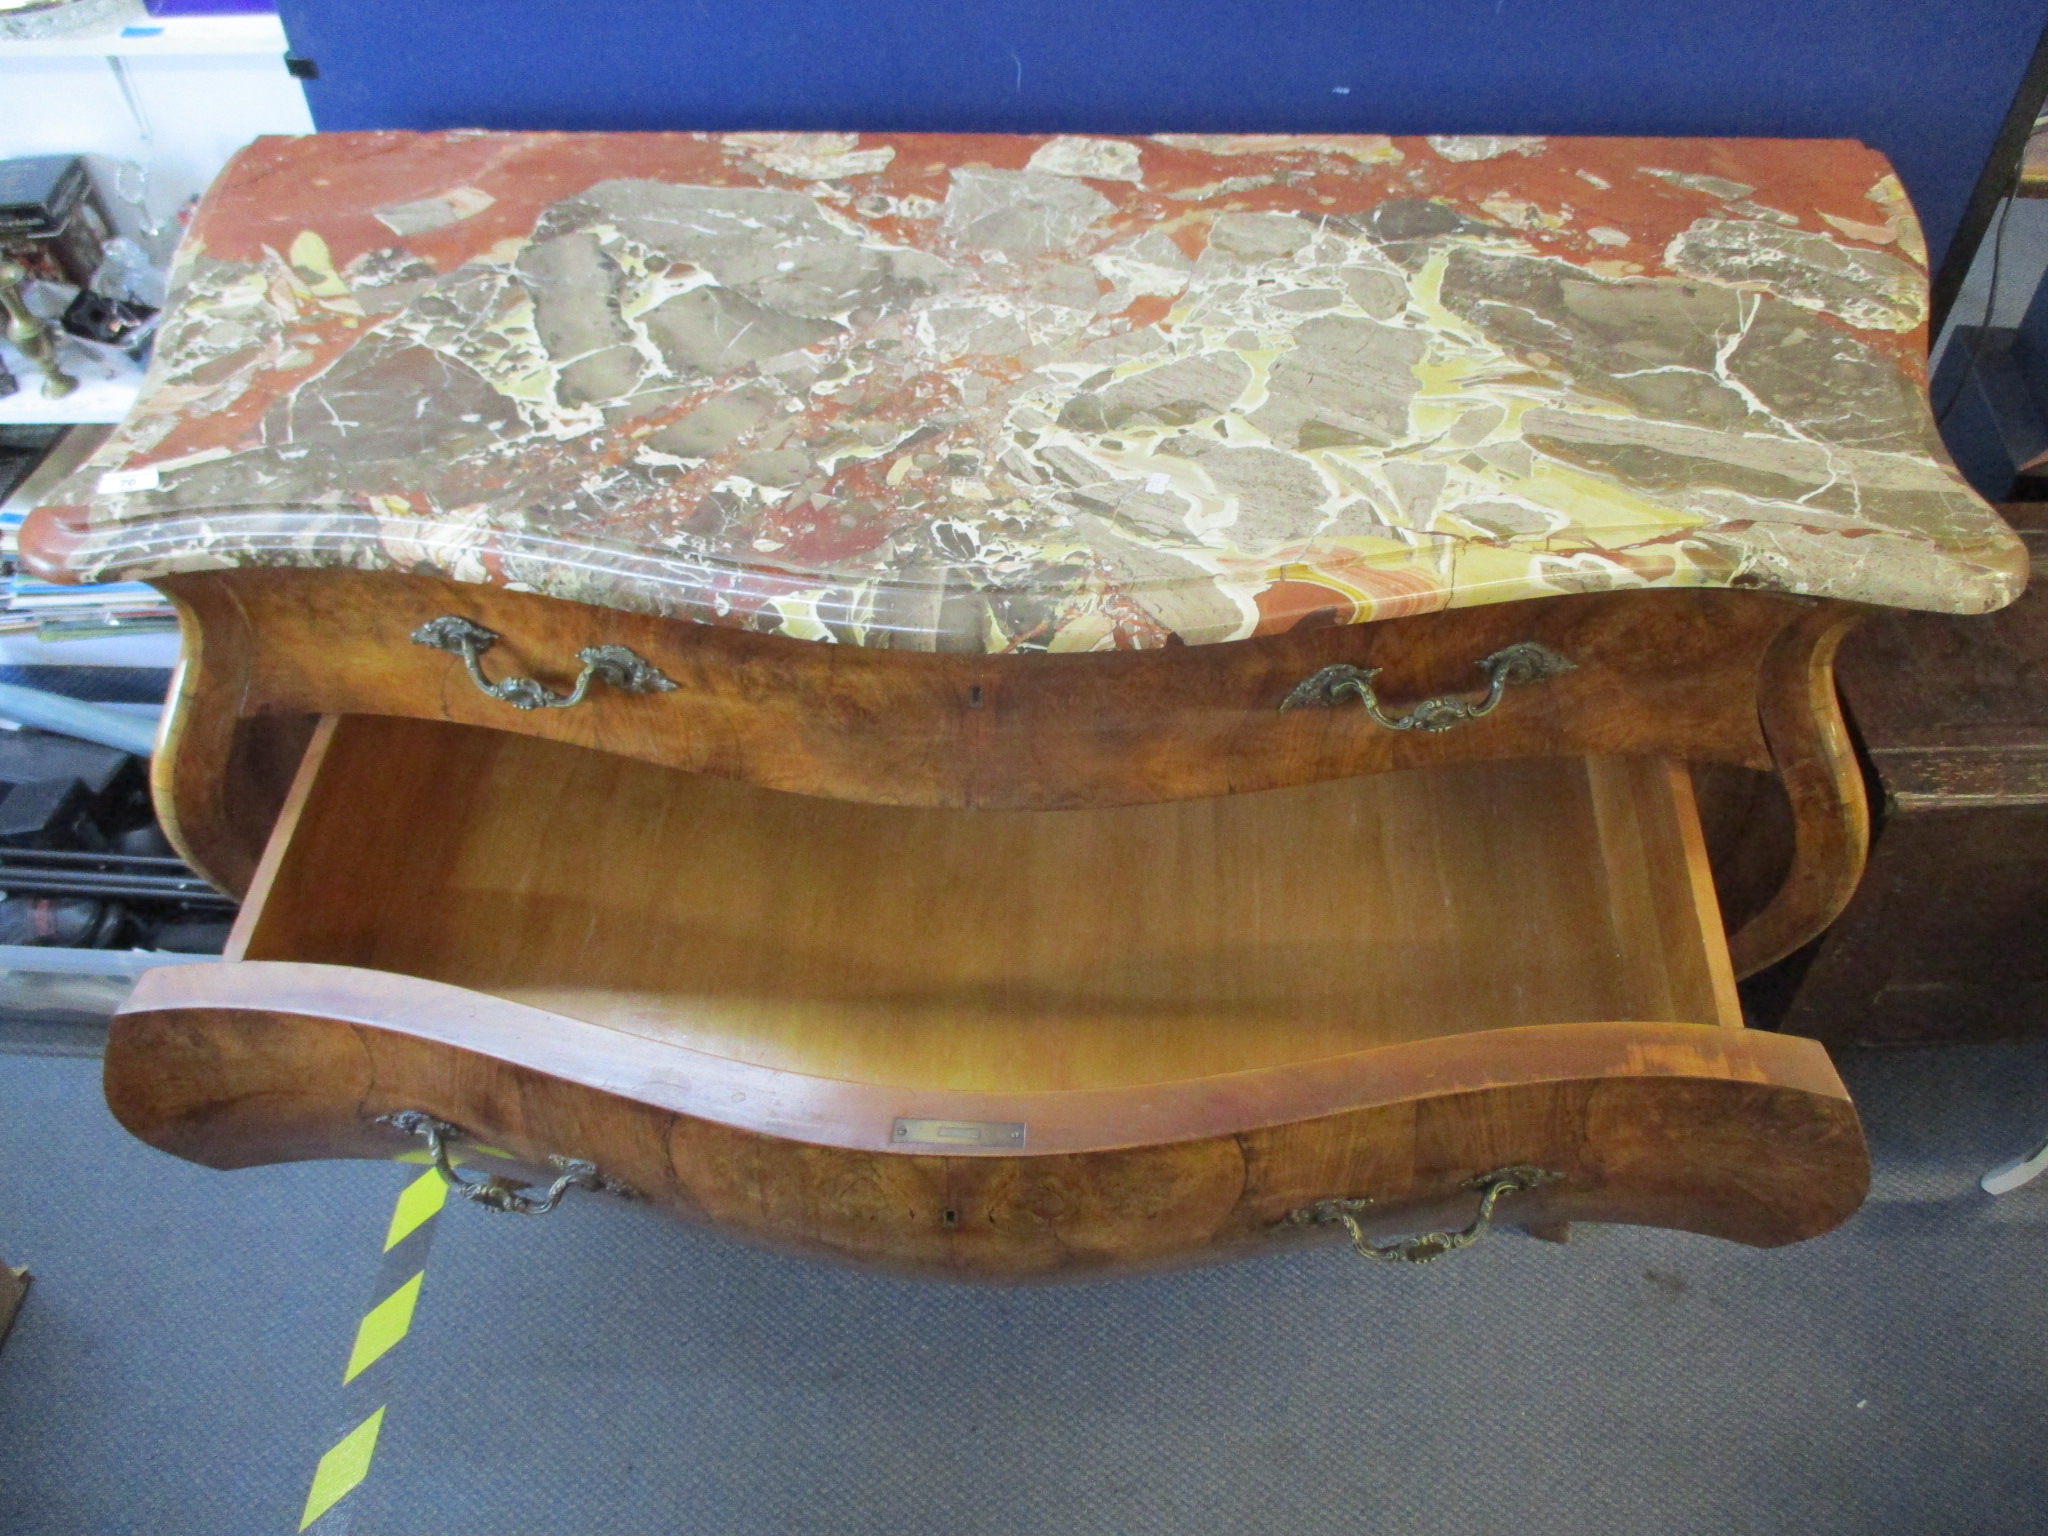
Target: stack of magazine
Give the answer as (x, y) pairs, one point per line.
(52, 612)
(34, 462)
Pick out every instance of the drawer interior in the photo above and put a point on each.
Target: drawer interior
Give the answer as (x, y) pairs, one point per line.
(1017, 950)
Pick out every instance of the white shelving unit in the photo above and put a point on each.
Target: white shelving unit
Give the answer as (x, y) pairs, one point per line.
(175, 95)
(160, 37)
(107, 385)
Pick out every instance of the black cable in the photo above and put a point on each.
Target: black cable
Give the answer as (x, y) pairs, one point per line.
(1990, 304)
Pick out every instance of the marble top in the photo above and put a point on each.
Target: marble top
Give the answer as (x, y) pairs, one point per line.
(984, 393)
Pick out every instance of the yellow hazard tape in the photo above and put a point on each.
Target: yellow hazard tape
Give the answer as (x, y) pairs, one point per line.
(418, 1204)
(347, 1462)
(383, 1326)
(342, 1468)
(428, 1157)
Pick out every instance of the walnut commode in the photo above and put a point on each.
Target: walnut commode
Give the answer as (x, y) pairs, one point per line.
(1021, 707)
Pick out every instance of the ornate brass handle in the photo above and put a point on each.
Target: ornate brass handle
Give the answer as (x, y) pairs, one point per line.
(495, 1194)
(613, 664)
(1426, 1246)
(1527, 662)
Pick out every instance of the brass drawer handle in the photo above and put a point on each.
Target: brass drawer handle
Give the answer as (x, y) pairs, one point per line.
(1526, 662)
(494, 1194)
(1423, 1248)
(613, 664)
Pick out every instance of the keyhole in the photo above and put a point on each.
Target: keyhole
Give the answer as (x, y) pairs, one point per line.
(949, 1218)
(974, 696)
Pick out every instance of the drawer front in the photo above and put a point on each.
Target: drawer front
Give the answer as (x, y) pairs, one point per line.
(1670, 674)
(1732, 1135)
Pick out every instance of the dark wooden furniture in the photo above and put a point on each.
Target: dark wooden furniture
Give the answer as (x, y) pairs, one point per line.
(1946, 938)
(1062, 706)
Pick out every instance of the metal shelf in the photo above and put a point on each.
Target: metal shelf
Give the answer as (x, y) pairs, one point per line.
(107, 385)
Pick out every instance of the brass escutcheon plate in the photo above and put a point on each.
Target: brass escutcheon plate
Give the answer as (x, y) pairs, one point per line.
(1004, 1135)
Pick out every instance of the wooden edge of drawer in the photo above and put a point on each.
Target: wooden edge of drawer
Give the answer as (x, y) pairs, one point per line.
(793, 1106)
(1743, 1136)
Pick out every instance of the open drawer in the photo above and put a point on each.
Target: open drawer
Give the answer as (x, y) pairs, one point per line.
(1002, 1044)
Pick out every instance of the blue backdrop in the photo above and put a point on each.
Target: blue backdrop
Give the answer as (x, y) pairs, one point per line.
(1926, 81)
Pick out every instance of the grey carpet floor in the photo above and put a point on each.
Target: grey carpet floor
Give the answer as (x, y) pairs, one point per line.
(602, 1371)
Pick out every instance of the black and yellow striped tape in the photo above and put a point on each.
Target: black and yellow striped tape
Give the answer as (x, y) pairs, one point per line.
(343, 1466)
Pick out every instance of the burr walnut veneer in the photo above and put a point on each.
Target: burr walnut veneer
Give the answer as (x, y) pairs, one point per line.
(1023, 707)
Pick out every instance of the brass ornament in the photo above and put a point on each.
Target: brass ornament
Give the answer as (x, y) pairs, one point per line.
(1425, 1247)
(32, 336)
(613, 664)
(1526, 662)
(494, 1194)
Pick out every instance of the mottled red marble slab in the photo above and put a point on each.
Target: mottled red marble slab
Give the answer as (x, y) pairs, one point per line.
(998, 393)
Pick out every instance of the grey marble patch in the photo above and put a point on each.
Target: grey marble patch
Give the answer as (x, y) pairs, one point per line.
(780, 467)
(715, 330)
(1504, 519)
(774, 247)
(1023, 213)
(1354, 376)
(1405, 227)
(1379, 291)
(1821, 484)
(1278, 496)
(1828, 383)
(1173, 395)
(970, 330)
(1067, 285)
(1417, 488)
(576, 313)
(1870, 289)
(420, 215)
(386, 402)
(1177, 593)
(1694, 181)
(1308, 301)
(1260, 237)
(718, 423)
(1651, 345)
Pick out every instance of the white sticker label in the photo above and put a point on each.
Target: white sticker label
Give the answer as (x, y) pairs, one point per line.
(117, 482)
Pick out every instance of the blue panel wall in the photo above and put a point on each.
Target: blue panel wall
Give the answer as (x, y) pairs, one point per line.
(1926, 81)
